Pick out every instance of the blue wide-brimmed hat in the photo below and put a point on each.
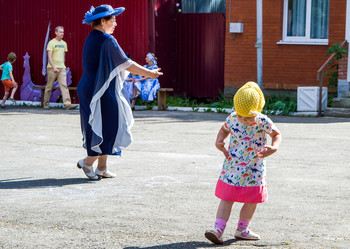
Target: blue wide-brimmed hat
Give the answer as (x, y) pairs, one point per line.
(101, 11)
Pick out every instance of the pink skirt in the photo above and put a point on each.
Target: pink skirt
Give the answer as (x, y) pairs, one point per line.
(254, 194)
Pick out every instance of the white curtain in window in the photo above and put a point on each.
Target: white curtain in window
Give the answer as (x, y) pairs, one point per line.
(296, 17)
(319, 19)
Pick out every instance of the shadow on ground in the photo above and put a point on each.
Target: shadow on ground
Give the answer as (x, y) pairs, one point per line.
(187, 245)
(19, 183)
(201, 244)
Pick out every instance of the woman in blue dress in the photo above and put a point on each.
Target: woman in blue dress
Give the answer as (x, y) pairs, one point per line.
(106, 117)
(146, 86)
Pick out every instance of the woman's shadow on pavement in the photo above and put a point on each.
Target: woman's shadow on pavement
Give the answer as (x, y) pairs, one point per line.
(185, 245)
(21, 183)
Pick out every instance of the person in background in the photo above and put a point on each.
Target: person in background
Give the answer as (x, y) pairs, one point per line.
(56, 69)
(145, 86)
(130, 90)
(7, 79)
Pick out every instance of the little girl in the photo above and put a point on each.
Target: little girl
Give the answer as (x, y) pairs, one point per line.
(243, 176)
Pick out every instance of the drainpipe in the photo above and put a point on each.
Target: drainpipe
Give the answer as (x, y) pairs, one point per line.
(347, 34)
(258, 44)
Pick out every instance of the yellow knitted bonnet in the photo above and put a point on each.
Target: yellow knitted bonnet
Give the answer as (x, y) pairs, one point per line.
(249, 100)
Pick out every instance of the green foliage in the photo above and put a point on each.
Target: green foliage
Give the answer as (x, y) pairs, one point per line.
(222, 102)
(149, 105)
(281, 104)
(276, 104)
(195, 109)
(338, 50)
(208, 110)
(334, 65)
(220, 110)
(181, 101)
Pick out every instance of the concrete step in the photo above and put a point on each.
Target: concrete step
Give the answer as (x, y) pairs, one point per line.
(341, 102)
(337, 112)
(344, 103)
(345, 94)
(336, 102)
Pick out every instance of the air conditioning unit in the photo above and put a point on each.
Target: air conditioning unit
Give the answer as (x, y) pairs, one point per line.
(308, 98)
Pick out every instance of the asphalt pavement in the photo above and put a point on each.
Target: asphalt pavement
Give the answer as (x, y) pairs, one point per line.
(163, 195)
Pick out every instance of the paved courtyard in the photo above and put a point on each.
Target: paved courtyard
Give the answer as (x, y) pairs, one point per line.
(163, 196)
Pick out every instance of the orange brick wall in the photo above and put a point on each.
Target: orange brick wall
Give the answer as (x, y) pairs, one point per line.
(284, 66)
(343, 66)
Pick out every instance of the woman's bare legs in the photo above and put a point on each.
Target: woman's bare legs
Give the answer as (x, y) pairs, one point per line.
(102, 162)
(133, 102)
(89, 161)
(135, 94)
(102, 168)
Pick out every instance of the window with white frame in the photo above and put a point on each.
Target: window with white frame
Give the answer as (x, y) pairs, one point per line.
(305, 21)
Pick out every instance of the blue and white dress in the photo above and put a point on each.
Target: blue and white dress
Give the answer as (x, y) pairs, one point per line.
(106, 116)
(148, 88)
(128, 89)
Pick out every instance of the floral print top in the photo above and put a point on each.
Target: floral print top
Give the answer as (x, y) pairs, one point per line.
(244, 168)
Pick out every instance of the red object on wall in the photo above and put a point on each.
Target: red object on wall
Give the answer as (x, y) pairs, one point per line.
(24, 25)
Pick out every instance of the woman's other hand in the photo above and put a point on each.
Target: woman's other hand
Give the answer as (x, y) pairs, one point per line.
(155, 73)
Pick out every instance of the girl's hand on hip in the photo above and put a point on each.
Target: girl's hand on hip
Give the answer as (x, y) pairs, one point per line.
(221, 146)
(267, 151)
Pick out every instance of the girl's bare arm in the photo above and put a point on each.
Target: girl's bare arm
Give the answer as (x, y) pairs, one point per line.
(220, 141)
(276, 138)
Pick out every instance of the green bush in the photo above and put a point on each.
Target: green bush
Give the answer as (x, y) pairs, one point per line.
(276, 104)
(334, 63)
(280, 104)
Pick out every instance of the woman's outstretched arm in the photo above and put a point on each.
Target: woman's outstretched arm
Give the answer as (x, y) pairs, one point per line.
(140, 70)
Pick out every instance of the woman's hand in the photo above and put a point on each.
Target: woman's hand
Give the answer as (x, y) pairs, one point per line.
(139, 70)
(155, 73)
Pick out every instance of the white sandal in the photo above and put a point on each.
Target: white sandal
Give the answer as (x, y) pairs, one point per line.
(88, 170)
(213, 236)
(246, 235)
(104, 173)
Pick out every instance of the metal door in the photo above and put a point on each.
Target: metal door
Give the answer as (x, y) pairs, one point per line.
(200, 54)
